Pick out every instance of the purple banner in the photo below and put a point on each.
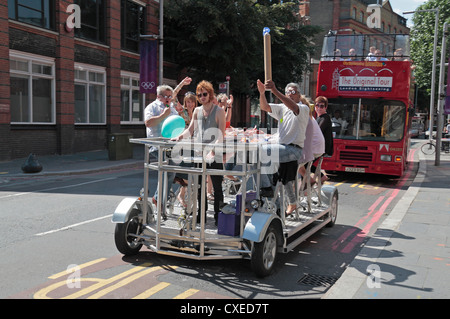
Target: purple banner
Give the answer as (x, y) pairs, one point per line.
(148, 66)
(447, 92)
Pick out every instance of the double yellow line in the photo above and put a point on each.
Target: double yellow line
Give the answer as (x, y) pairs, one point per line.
(113, 283)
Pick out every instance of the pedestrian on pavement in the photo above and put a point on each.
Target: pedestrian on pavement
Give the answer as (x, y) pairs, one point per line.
(292, 117)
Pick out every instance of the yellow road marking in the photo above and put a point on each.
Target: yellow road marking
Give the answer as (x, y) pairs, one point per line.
(68, 271)
(104, 282)
(42, 294)
(123, 282)
(122, 279)
(339, 184)
(186, 294)
(152, 291)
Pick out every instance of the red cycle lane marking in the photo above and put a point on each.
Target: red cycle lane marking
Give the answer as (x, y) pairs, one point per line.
(361, 235)
(349, 232)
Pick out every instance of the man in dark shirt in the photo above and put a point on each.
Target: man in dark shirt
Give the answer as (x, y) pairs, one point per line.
(324, 121)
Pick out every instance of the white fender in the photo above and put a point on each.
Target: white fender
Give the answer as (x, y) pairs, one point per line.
(257, 225)
(123, 210)
(327, 193)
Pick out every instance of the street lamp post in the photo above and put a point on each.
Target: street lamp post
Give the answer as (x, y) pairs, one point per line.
(433, 73)
(441, 101)
(161, 39)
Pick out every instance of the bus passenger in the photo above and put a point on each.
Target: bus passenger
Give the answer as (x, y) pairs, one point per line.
(337, 55)
(379, 57)
(371, 55)
(351, 55)
(398, 55)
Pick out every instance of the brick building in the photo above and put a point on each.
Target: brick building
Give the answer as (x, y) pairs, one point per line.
(65, 90)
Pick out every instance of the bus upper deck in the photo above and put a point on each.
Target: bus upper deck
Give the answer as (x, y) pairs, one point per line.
(366, 79)
(365, 47)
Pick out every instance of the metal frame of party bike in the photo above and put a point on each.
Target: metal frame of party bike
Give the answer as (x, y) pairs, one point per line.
(261, 226)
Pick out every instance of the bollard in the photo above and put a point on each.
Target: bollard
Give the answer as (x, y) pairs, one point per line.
(31, 165)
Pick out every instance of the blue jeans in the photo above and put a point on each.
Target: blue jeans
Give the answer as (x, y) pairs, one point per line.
(170, 176)
(272, 155)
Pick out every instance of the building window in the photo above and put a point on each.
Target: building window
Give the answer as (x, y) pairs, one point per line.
(354, 13)
(361, 16)
(93, 20)
(39, 12)
(133, 24)
(132, 101)
(32, 89)
(90, 95)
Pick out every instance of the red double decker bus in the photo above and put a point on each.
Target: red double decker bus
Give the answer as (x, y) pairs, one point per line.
(369, 97)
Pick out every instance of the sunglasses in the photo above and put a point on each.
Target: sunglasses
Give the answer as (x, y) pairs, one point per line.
(166, 96)
(291, 92)
(189, 93)
(321, 106)
(205, 94)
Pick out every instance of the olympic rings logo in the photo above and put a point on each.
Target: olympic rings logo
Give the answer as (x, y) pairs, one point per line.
(147, 85)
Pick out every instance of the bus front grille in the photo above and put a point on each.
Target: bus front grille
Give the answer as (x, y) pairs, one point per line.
(355, 156)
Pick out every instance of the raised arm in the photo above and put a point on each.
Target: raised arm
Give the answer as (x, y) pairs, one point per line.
(263, 104)
(186, 81)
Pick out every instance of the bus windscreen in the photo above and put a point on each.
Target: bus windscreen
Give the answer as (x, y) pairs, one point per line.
(367, 119)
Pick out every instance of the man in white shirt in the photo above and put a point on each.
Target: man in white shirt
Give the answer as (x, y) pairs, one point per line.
(156, 112)
(292, 117)
(154, 115)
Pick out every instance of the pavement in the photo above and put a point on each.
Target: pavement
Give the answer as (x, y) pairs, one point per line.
(408, 256)
(79, 163)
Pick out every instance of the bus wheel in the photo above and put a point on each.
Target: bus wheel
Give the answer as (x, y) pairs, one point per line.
(264, 254)
(126, 243)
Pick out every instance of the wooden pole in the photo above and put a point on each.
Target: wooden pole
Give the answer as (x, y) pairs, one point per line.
(267, 55)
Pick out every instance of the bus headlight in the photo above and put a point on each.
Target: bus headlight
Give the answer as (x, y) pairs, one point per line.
(386, 158)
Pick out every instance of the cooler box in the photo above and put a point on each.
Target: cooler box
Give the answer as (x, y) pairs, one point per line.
(229, 221)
